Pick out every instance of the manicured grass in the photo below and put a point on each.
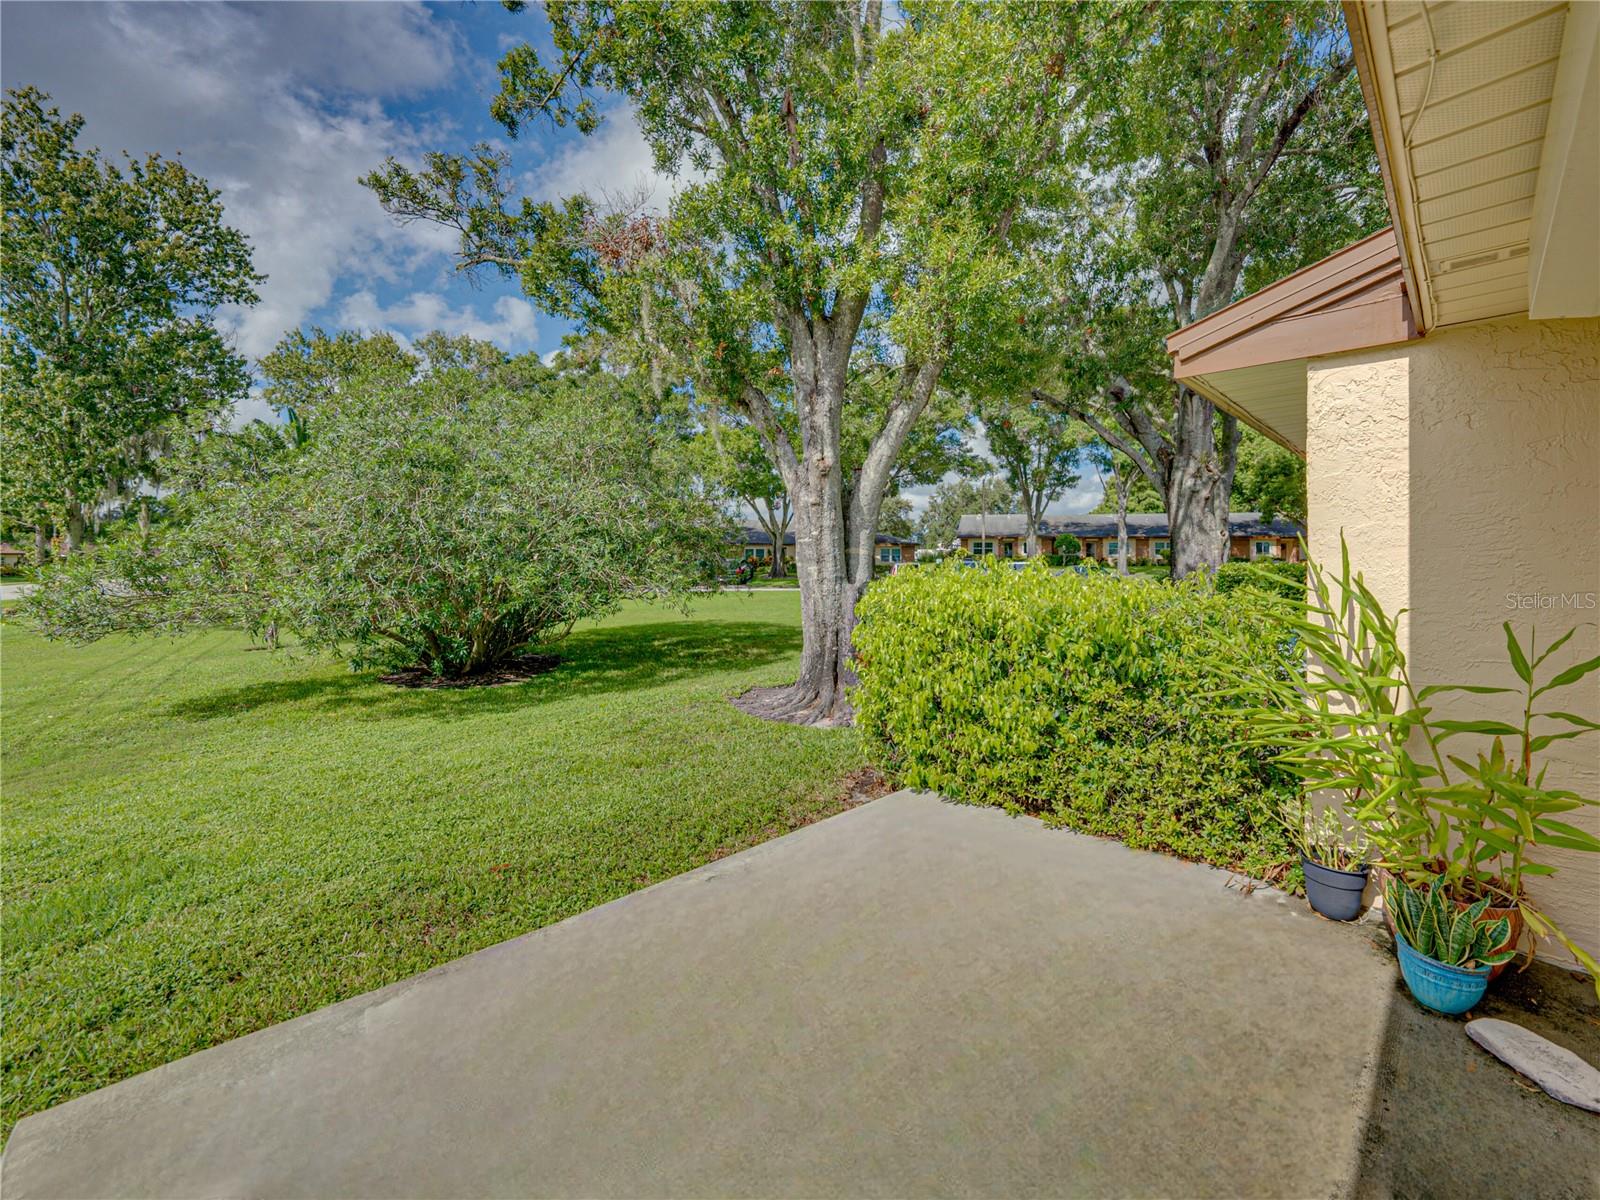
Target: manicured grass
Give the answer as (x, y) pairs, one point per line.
(201, 839)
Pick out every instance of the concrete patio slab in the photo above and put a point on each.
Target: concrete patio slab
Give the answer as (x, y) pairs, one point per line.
(910, 999)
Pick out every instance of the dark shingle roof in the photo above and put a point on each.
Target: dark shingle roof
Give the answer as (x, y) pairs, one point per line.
(754, 535)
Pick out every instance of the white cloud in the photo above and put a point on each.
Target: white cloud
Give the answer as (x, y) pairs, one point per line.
(277, 105)
(1081, 499)
(252, 408)
(513, 326)
(614, 161)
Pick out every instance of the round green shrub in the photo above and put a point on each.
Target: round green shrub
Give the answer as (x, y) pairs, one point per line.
(1082, 698)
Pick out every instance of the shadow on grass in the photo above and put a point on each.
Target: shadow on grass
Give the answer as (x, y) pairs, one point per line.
(593, 662)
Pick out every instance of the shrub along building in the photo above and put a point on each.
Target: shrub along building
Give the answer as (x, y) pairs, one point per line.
(1005, 536)
(1442, 378)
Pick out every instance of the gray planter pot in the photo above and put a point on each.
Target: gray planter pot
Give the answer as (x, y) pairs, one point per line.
(1334, 894)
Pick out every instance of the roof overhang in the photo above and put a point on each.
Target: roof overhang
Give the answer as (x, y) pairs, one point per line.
(1250, 358)
(1487, 123)
(1486, 119)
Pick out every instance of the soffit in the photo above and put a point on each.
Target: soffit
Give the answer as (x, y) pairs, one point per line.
(1270, 398)
(1460, 97)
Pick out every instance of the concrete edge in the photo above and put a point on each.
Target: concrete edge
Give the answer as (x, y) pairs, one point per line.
(1253, 890)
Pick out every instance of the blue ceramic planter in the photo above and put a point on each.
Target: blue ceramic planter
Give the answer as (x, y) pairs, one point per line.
(1334, 894)
(1436, 985)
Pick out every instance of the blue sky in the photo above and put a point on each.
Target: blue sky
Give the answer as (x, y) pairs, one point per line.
(282, 106)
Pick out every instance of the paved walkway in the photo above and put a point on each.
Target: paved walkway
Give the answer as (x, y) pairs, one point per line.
(910, 999)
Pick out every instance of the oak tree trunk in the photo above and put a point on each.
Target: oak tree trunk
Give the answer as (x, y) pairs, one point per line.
(75, 527)
(1198, 485)
(835, 524)
(41, 545)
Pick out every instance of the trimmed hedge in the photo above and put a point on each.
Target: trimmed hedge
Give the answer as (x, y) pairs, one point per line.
(1286, 579)
(1080, 698)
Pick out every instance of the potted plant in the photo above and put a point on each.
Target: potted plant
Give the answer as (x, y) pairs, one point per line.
(1446, 952)
(1353, 723)
(1499, 807)
(1332, 860)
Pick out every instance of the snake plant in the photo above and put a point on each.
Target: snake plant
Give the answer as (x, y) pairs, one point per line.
(1436, 927)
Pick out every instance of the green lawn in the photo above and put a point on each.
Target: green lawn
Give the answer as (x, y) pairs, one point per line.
(201, 839)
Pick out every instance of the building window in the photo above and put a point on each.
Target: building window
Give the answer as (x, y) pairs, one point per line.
(982, 548)
(1111, 548)
(888, 554)
(1265, 549)
(759, 552)
(1163, 548)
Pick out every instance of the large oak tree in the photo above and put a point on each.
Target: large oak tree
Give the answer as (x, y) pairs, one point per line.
(858, 186)
(109, 277)
(1231, 149)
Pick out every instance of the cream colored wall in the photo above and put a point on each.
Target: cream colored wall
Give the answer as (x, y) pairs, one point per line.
(1464, 470)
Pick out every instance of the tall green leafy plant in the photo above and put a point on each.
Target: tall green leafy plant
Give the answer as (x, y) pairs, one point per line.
(1353, 722)
(1346, 727)
(1500, 806)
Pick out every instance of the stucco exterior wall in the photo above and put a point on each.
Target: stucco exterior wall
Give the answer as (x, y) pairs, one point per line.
(1464, 470)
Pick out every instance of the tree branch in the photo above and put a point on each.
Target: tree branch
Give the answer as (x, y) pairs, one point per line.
(1115, 440)
(773, 439)
(1292, 121)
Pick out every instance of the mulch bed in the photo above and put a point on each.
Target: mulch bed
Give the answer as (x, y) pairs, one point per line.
(513, 670)
(865, 783)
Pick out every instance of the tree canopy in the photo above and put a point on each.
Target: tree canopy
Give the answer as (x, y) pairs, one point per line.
(860, 189)
(971, 198)
(452, 517)
(109, 278)
(1230, 149)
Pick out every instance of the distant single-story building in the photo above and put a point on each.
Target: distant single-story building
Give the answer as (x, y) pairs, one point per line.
(891, 550)
(753, 542)
(11, 556)
(1149, 539)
